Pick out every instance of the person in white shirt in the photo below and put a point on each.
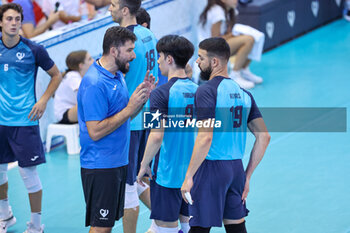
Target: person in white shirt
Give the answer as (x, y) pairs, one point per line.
(69, 11)
(65, 101)
(217, 20)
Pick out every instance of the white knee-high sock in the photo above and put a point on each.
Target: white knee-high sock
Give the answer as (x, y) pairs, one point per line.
(36, 220)
(4, 208)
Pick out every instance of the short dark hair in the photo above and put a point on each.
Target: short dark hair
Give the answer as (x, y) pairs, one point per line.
(132, 5)
(115, 37)
(142, 16)
(216, 46)
(13, 6)
(178, 47)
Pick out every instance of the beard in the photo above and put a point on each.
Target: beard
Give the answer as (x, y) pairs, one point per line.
(122, 65)
(117, 20)
(205, 74)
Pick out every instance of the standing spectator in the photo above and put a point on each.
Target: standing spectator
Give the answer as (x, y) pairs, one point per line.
(215, 177)
(19, 130)
(217, 20)
(104, 112)
(29, 26)
(65, 101)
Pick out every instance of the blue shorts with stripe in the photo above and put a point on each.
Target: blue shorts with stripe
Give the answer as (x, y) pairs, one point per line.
(217, 193)
(22, 144)
(166, 203)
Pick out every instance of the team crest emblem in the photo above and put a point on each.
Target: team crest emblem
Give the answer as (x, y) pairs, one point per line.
(314, 8)
(104, 213)
(270, 27)
(20, 55)
(291, 18)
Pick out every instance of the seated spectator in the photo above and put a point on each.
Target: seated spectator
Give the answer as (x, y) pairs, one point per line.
(65, 101)
(218, 19)
(69, 11)
(99, 3)
(29, 27)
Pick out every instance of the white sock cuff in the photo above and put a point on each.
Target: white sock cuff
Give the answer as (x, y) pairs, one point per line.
(3, 173)
(185, 227)
(167, 229)
(36, 219)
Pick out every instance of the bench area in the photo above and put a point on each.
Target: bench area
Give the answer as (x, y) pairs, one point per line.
(283, 20)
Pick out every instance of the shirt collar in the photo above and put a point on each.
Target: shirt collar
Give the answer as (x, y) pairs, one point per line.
(106, 72)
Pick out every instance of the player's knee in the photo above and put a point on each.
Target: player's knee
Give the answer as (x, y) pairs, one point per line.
(141, 189)
(3, 174)
(30, 178)
(199, 230)
(131, 196)
(250, 40)
(236, 228)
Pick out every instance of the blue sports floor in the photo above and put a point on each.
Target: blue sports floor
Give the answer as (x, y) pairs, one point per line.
(303, 183)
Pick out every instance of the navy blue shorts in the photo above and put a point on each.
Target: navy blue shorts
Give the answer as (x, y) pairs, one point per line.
(166, 203)
(65, 119)
(104, 193)
(217, 193)
(138, 141)
(22, 144)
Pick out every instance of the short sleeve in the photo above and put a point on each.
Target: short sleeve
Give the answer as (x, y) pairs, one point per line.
(158, 101)
(94, 103)
(47, 6)
(74, 80)
(43, 59)
(215, 15)
(28, 11)
(254, 110)
(205, 102)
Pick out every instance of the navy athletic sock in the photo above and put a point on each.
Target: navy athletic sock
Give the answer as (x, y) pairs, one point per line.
(199, 230)
(236, 228)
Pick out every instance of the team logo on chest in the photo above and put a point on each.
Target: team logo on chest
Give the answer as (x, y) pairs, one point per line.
(20, 56)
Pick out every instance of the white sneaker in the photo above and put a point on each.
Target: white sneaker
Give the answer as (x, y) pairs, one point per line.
(32, 229)
(7, 222)
(236, 76)
(247, 74)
